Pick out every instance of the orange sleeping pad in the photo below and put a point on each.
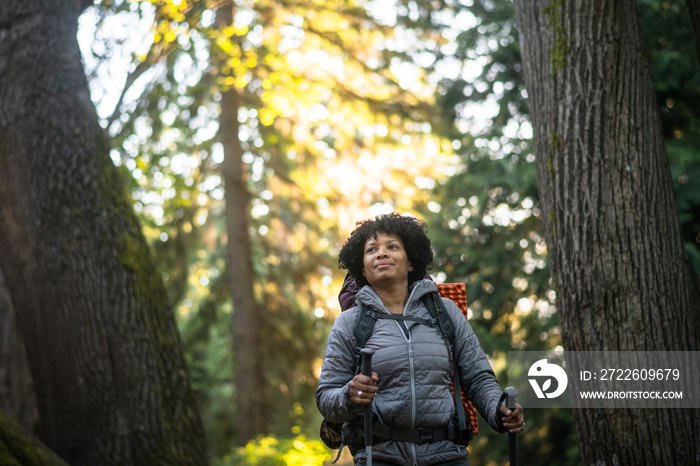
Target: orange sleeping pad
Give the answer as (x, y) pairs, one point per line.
(457, 292)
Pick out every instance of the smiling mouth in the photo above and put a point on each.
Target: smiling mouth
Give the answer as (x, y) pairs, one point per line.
(381, 266)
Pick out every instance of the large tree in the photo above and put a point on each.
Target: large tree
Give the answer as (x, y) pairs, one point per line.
(16, 386)
(246, 323)
(611, 224)
(111, 381)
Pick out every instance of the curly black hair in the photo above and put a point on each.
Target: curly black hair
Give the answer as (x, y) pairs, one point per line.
(413, 236)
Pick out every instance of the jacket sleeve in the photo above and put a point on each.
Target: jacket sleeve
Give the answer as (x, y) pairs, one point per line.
(476, 376)
(338, 370)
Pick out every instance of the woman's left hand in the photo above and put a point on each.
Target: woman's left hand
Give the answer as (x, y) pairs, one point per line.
(513, 420)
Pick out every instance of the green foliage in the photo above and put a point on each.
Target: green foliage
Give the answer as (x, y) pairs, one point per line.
(668, 33)
(487, 230)
(273, 451)
(321, 146)
(297, 125)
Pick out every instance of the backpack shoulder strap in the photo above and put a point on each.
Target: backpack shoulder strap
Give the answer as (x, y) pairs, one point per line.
(436, 307)
(437, 310)
(364, 326)
(367, 318)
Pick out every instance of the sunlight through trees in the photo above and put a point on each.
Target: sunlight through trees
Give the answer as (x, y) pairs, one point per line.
(252, 135)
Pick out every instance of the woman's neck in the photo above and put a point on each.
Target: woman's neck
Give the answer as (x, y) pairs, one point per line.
(393, 298)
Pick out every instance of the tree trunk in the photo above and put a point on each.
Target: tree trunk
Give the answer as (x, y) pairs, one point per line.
(618, 265)
(111, 381)
(17, 397)
(694, 10)
(248, 368)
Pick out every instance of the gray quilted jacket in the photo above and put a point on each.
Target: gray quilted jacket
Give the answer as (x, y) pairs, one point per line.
(414, 377)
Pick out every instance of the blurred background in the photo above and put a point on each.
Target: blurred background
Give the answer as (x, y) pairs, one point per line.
(263, 130)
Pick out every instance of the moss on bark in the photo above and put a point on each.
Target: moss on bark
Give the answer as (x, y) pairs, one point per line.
(561, 43)
(18, 448)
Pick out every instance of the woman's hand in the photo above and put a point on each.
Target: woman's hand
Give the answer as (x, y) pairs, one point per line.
(513, 420)
(363, 388)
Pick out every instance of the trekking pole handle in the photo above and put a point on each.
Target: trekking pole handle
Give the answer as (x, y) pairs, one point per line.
(511, 393)
(366, 366)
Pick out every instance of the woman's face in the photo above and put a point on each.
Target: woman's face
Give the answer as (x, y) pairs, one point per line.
(385, 260)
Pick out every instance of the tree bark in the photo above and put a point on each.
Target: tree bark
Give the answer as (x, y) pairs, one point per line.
(248, 368)
(17, 397)
(618, 265)
(694, 10)
(111, 381)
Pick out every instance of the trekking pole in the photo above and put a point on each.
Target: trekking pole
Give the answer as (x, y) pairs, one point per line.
(366, 354)
(511, 393)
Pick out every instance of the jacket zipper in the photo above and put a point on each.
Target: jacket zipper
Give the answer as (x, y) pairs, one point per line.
(409, 344)
(412, 374)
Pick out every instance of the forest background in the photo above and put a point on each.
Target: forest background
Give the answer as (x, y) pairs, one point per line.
(262, 131)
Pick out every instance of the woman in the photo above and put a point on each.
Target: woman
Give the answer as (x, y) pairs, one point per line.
(388, 258)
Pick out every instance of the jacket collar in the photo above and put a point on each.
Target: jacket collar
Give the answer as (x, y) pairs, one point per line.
(369, 297)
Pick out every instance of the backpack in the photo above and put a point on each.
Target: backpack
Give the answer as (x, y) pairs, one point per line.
(335, 435)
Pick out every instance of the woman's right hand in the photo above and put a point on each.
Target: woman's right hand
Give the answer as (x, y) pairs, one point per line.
(363, 388)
